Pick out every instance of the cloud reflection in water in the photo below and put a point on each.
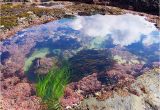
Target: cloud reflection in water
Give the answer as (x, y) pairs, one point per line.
(123, 29)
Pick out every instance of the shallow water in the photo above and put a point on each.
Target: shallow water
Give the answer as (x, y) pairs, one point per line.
(66, 36)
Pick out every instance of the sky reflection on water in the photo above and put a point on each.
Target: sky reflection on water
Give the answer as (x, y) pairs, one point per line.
(132, 31)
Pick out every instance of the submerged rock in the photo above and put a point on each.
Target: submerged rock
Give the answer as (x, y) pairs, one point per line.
(89, 61)
(89, 84)
(42, 66)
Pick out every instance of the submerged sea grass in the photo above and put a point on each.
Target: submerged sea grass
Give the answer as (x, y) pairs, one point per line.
(51, 87)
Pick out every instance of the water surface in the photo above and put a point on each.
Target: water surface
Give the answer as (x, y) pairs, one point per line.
(66, 36)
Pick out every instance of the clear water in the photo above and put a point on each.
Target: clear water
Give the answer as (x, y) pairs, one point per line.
(132, 32)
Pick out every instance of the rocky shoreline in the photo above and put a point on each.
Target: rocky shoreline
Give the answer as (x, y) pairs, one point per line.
(126, 82)
(69, 9)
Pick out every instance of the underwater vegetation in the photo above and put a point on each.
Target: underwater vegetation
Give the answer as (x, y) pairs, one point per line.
(51, 87)
(90, 61)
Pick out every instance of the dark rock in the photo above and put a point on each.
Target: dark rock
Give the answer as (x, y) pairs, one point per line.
(90, 61)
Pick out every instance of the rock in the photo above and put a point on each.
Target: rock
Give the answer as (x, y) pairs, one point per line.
(89, 61)
(149, 6)
(145, 95)
(131, 102)
(9, 82)
(151, 82)
(89, 84)
(70, 98)
(42, 66)
(123, 56)
(20, 89)
(18, 96)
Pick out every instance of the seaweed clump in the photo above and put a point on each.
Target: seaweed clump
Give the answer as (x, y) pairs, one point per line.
(90, 61)
(51, 87)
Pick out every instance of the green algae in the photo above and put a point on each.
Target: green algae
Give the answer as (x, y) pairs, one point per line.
(36, 54)
(51, 87)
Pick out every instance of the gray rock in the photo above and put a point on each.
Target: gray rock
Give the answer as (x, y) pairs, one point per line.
(148, 98)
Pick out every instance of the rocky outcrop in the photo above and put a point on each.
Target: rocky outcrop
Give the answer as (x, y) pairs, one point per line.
(143, 94)
(118, 83)
(18, 94)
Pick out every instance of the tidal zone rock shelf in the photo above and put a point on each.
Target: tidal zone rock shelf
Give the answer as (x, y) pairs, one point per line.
(72, 64)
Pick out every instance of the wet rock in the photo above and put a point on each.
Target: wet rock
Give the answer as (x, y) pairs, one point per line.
(29, 103)
(123, 56)
(90, 61)
(70, 98)
(9, 82)
(89, 84)
(18, 96)
(156, 64)
(42, 66)
(131, 102)
(20, 89)
(119, 76)
(143, 96)
(151, 84)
